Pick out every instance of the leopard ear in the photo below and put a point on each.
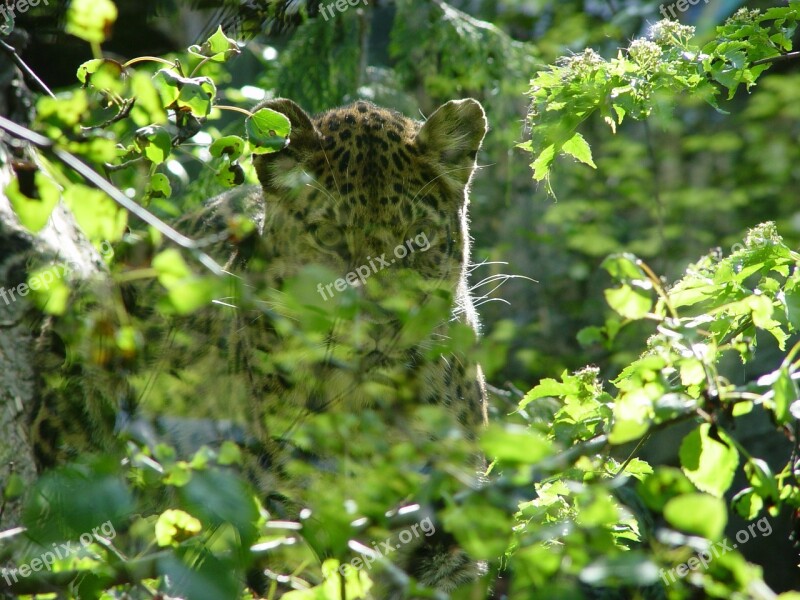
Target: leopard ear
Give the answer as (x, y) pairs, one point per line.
(273, 169)
(302, 127)
(453, 134)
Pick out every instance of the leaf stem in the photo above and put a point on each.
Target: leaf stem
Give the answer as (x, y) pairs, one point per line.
(234, 109)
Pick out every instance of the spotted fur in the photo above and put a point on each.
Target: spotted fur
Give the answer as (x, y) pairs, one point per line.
(356, 182)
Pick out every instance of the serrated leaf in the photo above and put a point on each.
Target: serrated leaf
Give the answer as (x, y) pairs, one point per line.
(547, 387)
(541, 166)
(578, 148)
(708, 463)
(217, 48)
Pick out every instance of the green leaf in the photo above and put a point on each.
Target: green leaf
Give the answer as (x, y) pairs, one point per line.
(91, 20)
(34, 213)
(785, 390)
(632, 417)
(69, 501)
(88, 68)
(699, 514)
(155, 142)
(171, 268)
(230, 174)
(692, 372)
(148, 108)
(482, 529)
(103, 74)
(159, 186)
(760, 476)
(100, 218)
(629, 302)
(50, 292)
(267, 130)
(229, 145)
(191, 94)
(548, 387)
(514, 444)
(188, 295)
(65, 111)
(578, 148)
(541, 166)
(168, 84)
(218, 497)
(197, 95)
(748, 504)
(14, 487)
(709, 463)
(661, 486)
(217, 48)
(624, 267)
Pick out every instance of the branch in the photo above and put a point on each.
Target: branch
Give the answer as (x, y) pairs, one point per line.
(97, 180)
(779, 58)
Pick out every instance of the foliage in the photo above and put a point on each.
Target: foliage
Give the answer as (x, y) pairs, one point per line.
(568, 506)
(667, 61)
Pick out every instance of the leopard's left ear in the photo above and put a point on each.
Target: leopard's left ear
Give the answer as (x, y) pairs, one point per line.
(453, 134)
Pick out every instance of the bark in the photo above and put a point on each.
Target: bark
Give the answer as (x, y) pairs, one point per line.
(61, 241)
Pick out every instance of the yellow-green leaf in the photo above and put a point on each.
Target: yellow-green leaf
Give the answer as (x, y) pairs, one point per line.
(709, 463)
(578, 148)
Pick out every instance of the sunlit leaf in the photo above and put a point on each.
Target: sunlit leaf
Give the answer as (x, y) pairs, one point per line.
(700, 514)
(709, 461)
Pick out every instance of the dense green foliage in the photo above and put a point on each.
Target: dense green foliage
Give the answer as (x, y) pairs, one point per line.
(682, 165)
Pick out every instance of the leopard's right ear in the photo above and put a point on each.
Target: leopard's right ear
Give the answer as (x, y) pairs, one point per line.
(301, 122)
(272, 169)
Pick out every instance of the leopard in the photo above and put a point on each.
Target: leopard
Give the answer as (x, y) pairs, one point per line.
(359, 180)
(350, 187)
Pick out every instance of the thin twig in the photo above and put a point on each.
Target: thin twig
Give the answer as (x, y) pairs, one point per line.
(12, 52)
(123, 113)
